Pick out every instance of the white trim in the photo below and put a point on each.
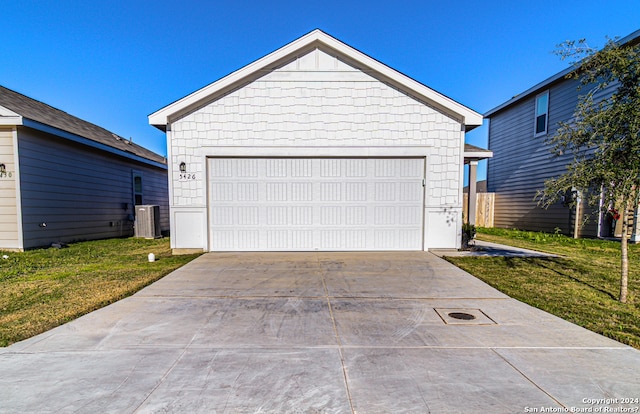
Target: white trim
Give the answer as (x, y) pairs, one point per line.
(171, 180)
(479, 155)
(316, 152)
(315, 39)
(8, 117)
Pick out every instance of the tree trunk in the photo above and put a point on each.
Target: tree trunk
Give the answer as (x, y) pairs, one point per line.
(624, 254)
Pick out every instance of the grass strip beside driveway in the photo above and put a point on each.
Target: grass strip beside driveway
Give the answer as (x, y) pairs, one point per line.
(41, 289)
(582, 286)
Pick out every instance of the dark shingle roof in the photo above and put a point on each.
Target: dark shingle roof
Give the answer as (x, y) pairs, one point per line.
(44, 114)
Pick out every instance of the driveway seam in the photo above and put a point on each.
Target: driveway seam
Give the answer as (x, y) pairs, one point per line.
(336, 333)
(525, 376)
(163, 378)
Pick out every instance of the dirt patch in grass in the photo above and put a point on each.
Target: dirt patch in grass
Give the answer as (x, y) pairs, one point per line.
(41, 289)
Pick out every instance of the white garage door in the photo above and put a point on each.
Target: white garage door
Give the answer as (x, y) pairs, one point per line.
(308, 204)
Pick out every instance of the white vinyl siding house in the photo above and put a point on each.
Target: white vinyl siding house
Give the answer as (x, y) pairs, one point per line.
(68, 180)
(315, 147)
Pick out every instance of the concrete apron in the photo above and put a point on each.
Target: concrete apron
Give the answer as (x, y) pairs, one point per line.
(318, 332)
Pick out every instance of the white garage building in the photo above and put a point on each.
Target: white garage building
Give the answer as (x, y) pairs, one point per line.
(315, 146)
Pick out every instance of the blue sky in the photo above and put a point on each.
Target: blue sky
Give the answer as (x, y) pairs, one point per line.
(115, 62)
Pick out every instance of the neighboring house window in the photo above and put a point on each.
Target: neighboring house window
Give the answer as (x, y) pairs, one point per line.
(542, 113)
(137, 188)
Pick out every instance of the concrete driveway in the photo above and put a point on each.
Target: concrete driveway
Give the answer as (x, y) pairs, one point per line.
(318, 333)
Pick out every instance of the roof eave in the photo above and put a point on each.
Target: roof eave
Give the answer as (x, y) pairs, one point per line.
(477, 155)
(89, 142)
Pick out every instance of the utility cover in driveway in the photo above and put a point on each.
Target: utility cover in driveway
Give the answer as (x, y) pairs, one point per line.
(305, 204)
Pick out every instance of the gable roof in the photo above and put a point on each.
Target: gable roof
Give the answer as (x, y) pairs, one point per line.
(18, 109)
(545, 84)
(315, 39)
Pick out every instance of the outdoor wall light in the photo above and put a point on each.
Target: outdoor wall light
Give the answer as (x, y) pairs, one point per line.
(3, 170)
(183, 167)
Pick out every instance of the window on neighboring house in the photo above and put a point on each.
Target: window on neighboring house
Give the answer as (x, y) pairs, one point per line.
(542, 113)
(137, 188)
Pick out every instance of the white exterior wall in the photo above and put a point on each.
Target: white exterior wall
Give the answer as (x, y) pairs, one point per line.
(316, 106)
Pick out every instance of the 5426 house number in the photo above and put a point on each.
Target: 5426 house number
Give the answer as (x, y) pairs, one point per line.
(187, 176)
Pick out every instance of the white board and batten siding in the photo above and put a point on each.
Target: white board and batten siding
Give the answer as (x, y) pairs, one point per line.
(316, 203)
(315, 147)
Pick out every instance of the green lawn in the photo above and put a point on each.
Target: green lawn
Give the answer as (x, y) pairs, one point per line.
(41, 289)
(582, 286)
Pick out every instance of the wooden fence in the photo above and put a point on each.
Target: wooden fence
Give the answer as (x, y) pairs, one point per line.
(484, 209)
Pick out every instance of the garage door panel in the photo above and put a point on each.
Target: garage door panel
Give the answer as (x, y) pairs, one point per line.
(355, 215)
(248, 216)
(316, 204)
(222, 191)
(246, 239)
(410, 215)
(355, 191)
(302, 239)
(302, 191)
(301, 216)
(385, 191)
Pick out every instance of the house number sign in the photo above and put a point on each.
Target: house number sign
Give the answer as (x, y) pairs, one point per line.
(187, 176)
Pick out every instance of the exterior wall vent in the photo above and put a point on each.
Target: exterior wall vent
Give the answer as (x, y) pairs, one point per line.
(147, 223)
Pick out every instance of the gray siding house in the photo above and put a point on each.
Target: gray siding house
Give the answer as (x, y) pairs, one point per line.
(522, 161)
(63, 179)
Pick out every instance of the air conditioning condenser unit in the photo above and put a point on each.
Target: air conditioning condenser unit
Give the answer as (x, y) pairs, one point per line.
(147, 223)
